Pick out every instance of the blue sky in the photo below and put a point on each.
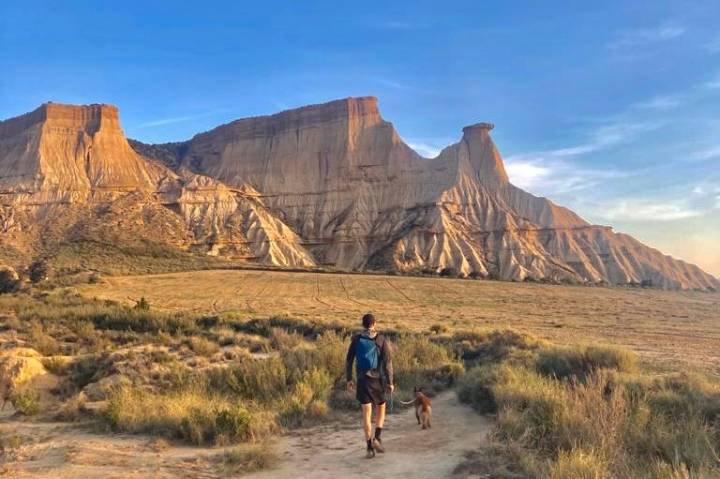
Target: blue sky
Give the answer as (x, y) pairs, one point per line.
(611, 108)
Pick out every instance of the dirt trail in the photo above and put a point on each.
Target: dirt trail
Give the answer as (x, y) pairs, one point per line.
(332, 450)
(337, 450)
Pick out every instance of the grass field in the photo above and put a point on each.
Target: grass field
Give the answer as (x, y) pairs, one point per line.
(670, 329)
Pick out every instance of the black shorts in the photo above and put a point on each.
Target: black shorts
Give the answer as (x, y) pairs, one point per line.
(370, 390)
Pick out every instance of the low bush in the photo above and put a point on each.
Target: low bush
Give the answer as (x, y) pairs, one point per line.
(494, 346)
(41, 341)
(56, 365)
(262, 380)
(9, 281)
(88, 369)
(248, 458)
(202, 346)
(26, 402)
(610, 424)
(192, 414)
(439, 328)
(420, 362)
(449, 272)
(579, 362)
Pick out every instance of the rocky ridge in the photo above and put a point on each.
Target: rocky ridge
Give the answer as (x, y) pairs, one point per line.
(330, 184)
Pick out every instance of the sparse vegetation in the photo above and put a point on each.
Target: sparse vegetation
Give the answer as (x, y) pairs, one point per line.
(38, 271)
(247, 458)
(232, 377)
(9, 281)
(26, 402)
(202, 346)
(585, 412)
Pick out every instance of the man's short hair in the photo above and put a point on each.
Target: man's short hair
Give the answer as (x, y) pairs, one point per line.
(368, 321)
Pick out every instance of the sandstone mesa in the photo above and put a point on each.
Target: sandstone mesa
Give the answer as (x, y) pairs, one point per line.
(322, 185)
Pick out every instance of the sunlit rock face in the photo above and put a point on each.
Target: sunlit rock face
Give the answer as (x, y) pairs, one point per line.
(68, 173)
(329, 184)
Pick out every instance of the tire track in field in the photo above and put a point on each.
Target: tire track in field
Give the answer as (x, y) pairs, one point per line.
(402, 293)
(413, 303)
(248, 303)
(318, 295)
(347, 293)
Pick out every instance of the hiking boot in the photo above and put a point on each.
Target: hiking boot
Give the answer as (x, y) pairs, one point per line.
(370, 453)
(377, 445)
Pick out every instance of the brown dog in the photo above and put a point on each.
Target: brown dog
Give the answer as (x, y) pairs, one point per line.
(423, 407)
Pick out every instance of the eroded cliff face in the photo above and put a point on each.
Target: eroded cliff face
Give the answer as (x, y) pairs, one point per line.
(329, 184)
(67, 173)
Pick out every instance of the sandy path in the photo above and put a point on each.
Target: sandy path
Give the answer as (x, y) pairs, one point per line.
(63, 451)
(337, 450)
(333, 450)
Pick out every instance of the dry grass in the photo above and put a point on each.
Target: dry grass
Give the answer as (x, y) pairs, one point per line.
(667, 327)
(247, 458)
(585, 413)
(192, 413)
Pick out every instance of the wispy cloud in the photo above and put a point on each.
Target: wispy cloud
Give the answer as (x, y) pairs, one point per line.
(706, 154)
(601, 138)
(713, 46)
(398, 85)
(177, 119)
(661, 102)
(400, 25)
(556, 172)
(557, 177)
(713, 84)
(429, 147)
(646, 36)
(700, 200)
(165, 121)
(642, 209)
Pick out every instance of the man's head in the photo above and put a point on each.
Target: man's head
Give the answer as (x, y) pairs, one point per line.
(368, 321)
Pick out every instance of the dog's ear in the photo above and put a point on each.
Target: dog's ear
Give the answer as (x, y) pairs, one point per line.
(416, 389)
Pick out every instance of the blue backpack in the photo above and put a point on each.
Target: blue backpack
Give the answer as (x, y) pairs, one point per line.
(367, 354)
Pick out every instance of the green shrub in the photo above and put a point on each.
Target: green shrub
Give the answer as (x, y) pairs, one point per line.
(191, 413)
(43, 342)
(56, 365)
(308, 399)
(420, 362)
(259, 379)
(578, 464)
(248, 458)
(88, 369)
(142, 304)
(26, 402)
(9, 282)
(449, 272)
(439, 328)
(202, 346)
(580, 362)
(611, 424)
(494, 346)
(38, 271)
(233, 424)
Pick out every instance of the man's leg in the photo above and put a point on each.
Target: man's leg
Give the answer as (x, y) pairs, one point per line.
(379, 423)
(380, 419)
(367, 420)
(367, 427)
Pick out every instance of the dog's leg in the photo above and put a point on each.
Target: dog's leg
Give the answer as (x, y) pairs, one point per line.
(417, 413)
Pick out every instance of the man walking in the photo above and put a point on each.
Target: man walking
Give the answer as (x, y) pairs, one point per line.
(373, 365)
